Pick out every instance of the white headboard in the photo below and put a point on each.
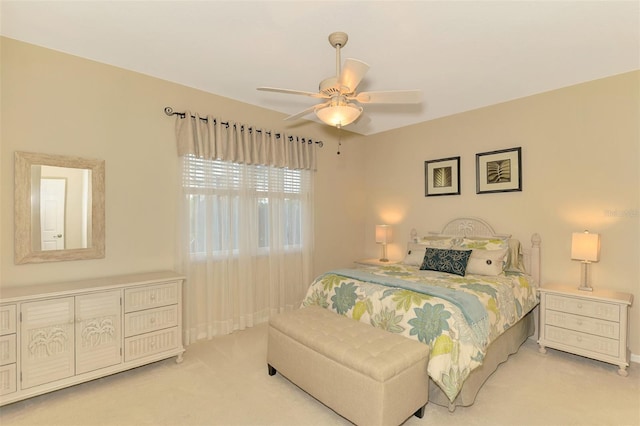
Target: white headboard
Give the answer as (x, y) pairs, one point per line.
(474, 227)
(469, 227)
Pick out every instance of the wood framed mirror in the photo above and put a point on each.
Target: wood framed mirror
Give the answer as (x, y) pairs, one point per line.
(59, 208)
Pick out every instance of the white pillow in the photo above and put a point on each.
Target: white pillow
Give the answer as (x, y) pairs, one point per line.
(487, 262)
(437, 241)
(416, 251)
(415, 254)
(485, 243)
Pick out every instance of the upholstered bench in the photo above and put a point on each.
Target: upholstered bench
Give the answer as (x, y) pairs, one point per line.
(365, 374)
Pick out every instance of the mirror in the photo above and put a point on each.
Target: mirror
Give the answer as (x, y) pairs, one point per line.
(59, 208)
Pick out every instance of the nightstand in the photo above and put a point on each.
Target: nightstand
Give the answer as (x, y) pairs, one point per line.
(376, 262)
(593, 324)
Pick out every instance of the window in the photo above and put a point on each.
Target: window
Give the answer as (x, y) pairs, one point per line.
(236, 206)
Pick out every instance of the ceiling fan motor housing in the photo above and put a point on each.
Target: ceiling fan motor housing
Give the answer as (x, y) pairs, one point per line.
(330, 87)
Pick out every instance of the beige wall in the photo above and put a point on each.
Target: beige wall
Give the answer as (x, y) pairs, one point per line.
(60, 104)
(580, 168)
(580, 155)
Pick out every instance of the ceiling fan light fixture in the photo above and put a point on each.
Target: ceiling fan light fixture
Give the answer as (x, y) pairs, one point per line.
(339, 115)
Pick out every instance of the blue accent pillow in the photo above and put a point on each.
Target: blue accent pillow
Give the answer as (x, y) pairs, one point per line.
(446, 260)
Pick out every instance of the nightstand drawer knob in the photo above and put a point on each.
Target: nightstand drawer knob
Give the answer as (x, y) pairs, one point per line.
(579, 305)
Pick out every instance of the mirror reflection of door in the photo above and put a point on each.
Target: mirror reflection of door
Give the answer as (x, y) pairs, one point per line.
(52, 213)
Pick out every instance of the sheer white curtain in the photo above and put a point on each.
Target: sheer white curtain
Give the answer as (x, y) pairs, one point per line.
(246, 224)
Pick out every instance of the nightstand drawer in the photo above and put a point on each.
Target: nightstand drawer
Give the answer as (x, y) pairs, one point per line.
(584, 324)
(595, 309)
(584, 341)
(150, 320)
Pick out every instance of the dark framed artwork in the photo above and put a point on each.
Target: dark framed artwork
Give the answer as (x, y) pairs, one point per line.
(499, 171)
(442, 177)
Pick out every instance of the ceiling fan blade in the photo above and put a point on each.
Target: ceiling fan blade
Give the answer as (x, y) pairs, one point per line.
(306, 111)
(389, 97)
(294, 92)
(352, 73)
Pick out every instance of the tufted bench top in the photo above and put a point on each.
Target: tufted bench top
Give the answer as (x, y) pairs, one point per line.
(374, 352)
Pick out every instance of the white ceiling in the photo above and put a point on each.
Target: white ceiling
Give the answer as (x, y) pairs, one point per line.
(462, 54)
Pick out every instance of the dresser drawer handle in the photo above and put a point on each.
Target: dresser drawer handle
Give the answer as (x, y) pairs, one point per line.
(579, 305)
(152, 320)
(579, 338)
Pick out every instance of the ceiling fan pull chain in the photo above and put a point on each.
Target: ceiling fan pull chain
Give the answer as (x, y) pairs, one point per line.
(339, 137)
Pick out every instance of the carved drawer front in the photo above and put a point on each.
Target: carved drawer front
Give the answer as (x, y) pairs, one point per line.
(602, 310)
(7, 319)
(589, 325)
(139, 298)
(150, 343)
(584, 341)
(8, 349)
(150, 320)
(8, 379)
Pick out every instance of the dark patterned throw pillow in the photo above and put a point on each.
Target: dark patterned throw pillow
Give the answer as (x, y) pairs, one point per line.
(445, 260)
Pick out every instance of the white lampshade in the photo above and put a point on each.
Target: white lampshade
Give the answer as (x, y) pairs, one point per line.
(339, 115)
(383, 234)
(585, 246)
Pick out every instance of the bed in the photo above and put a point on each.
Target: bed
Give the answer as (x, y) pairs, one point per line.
(466, 291)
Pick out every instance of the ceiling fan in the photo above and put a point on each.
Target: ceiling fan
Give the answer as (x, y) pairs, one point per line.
(341, 106)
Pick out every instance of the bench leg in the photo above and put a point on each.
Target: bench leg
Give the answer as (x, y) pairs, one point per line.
(272, 371)
(420, 413)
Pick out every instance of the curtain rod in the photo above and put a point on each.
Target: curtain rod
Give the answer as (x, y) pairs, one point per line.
(169, 111)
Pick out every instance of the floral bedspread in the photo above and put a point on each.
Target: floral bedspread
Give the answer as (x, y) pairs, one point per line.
(456, 348)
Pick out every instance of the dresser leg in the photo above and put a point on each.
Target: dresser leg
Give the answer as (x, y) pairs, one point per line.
(623, 371)
(542, 349)
(179, 359)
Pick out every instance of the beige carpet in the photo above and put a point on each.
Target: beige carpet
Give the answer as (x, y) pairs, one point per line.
(225, 382)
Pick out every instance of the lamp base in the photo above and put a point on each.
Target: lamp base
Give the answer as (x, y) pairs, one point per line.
(584, 279)
(384, 253)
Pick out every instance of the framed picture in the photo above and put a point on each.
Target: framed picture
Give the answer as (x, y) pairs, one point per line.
(499, 171)
(442, 177)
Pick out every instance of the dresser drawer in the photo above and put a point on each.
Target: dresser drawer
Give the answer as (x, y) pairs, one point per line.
(7, 379)
(595, 309)
(7, 319)
(150, 320)
(139, 298)
(8, 349)
(584, 341)
(150, 343)
(584, 324)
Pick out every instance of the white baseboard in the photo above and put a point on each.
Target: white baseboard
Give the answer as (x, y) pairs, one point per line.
(635, 358)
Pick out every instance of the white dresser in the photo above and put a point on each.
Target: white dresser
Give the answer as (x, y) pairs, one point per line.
(61, 334)
(592, 324)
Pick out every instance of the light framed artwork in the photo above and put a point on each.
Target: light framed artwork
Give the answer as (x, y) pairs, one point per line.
(499, 171)
(442, 177)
